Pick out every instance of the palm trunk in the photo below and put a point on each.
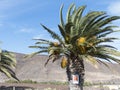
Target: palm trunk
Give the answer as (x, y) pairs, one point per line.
(75, 73)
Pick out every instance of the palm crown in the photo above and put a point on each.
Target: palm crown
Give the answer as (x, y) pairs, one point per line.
(84, 36)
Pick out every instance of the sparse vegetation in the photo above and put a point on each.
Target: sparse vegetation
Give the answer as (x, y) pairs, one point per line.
(35, 82)
(55, 83)
(22, 81)
(49, 89)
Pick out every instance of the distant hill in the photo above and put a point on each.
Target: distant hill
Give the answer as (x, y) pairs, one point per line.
(33, 69)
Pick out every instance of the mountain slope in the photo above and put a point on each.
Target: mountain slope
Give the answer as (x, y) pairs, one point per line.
(33, 69)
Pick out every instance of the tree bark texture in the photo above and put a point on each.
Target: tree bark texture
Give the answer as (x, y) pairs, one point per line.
(75, 67)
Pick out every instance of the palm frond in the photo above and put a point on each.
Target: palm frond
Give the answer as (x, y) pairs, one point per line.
(101, 16)
(35, 53)
(47, 43)
(108, 20)
(8, 71)
(68, 16)
(62, 31)
(78, 14)
(53, 34)
(38, 47)
(42, 40)
(104, 63)
(68, 27)
(112, 52)
(53, 58)
(50, 57)
(61, 17)
(82, 24)
(99, 19)
(8, 58)
(5, 71)
(104, 40)
(102, 56)
(113, 59)
(7, 64)
(92, 60)
(93, 27)
(88, 26)
(105, 47)
(105, 34)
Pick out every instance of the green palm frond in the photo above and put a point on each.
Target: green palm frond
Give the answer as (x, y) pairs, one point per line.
(53, 34)
(8, 71)
(100, 31)
(61, 17)
(98, 18)
(35, 53)
(105, 47)
(82, 35)
(39, 42)
(113, 59)
(92, 60)
(108, 20)
(7, 64)
(5, 71)
(102, 56)
(39, 47)
(91, 22)
(111, 51)
(87, 18)
(77, 15)
(104, 40)
(62, 31)
(8, 58)
(107, 33)
(68, 28)
(68, 16)
(102, 53)
(53, 58)
(42, 41)
(106, 64)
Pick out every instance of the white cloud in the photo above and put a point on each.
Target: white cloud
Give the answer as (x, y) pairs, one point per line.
(9, 8)
(114, 8)
(7, 4)
(26, 30)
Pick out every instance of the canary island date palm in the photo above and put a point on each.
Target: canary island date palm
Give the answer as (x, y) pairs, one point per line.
(7, 64)
(83, 37)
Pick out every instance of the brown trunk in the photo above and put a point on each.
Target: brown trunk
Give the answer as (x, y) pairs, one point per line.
(75, 73)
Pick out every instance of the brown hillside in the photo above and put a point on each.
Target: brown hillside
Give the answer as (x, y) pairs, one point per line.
(33, 69)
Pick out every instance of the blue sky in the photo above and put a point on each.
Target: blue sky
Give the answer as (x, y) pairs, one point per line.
(20, 19)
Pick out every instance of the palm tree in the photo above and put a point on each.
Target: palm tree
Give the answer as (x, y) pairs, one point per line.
(7, 64)
(82, 38)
